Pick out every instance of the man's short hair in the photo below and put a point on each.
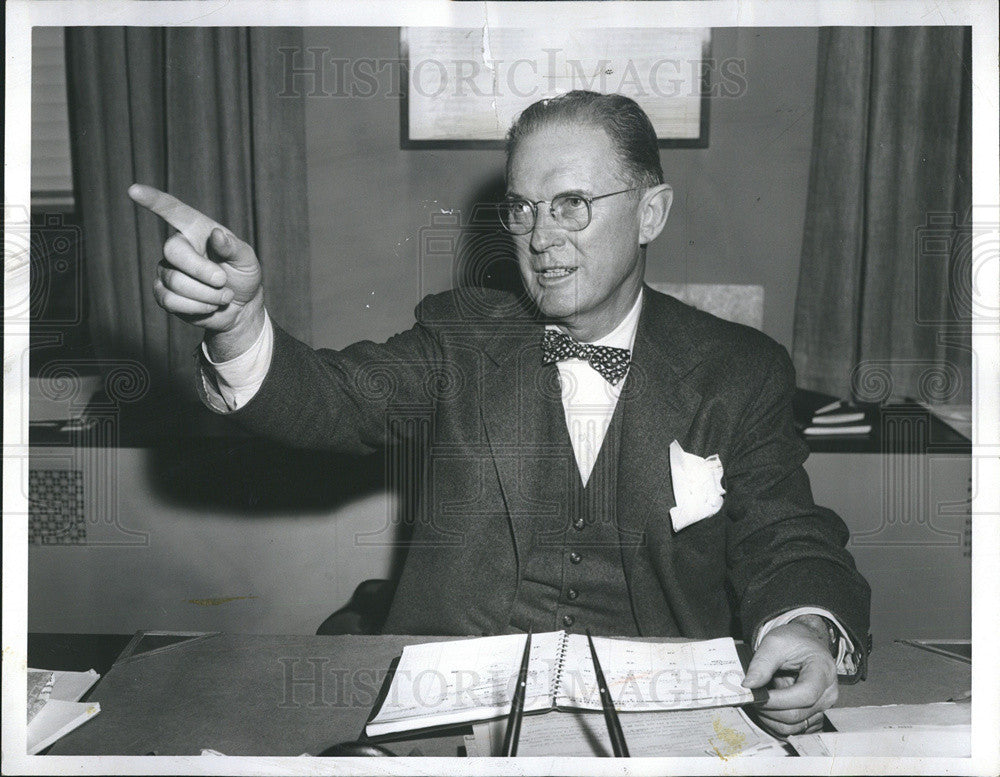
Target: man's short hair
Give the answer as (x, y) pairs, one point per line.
(627, 125)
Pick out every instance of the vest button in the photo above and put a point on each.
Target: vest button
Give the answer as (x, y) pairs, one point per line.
(568, 620)
(572, 593)
(575, 558)
(578, 524)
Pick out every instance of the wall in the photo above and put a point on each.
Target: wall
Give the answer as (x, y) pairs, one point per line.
(209, 538)
(737, 217)
(910, 537)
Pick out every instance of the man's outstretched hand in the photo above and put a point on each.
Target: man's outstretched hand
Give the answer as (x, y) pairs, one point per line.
(208, 277)
(807, 683)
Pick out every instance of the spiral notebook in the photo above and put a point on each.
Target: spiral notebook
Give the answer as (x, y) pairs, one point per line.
(441, 684)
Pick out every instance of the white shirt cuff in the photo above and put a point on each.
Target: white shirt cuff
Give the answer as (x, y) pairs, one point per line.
(846, 660)
(229, 385)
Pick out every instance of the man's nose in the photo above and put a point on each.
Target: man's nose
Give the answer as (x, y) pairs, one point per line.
(547, 232)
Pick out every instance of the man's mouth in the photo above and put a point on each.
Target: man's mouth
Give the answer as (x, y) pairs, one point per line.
(555, 272)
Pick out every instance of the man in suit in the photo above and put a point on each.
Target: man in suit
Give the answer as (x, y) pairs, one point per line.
(600, 455)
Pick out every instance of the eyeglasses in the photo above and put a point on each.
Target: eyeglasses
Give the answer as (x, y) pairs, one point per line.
(570, 211)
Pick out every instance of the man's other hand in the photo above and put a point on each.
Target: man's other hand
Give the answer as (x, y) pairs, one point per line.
(208, 277)
(806, 682)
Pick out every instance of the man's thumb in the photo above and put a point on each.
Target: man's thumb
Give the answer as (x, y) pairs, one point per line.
(226, 248)
(762, 668)
(223, 244)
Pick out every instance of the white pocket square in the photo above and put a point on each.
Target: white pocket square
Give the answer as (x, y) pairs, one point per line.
(697, 486)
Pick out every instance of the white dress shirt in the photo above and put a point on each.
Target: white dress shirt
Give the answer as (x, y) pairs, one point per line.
(588, 399)
(229, 385)
(589, 402)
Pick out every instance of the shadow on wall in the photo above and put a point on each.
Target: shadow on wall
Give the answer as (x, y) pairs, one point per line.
(259, 480)
(485, 252)
(256, 478)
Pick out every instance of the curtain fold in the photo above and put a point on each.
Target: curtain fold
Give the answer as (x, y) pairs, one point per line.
(195, 112)
(883, 304)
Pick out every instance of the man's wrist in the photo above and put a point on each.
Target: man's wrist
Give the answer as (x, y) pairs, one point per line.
(825, 631)
(224, 346)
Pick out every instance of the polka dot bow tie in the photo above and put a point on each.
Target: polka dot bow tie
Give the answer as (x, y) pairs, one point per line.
(611, 363)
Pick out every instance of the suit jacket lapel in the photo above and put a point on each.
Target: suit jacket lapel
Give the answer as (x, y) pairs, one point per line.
(516, 414)
(659, 408)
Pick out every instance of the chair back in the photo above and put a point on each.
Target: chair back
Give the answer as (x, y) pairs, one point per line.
(742, 303)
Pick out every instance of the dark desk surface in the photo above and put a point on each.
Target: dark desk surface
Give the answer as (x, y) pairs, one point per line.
(243, 694)
(76, 652)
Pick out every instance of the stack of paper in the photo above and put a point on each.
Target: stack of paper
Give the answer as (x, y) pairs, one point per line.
(918, 742)
(724, 732)
(39, 691)
(896, 730)
(839, 418)
(53, 705)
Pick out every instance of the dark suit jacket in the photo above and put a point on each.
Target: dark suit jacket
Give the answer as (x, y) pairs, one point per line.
(466, 382)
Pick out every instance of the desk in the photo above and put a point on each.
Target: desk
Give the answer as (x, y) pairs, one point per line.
(255, 695)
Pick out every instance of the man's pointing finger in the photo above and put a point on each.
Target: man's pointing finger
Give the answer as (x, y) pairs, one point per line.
(194, 225)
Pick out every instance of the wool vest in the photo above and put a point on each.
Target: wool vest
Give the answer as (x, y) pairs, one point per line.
(571, 576)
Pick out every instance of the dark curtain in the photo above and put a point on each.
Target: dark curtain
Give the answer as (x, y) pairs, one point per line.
(884, 295)
(199, 113)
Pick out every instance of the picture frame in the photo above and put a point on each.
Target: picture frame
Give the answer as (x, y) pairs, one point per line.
(462, 87)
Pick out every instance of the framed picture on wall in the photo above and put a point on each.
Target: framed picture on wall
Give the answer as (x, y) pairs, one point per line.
(462, 87)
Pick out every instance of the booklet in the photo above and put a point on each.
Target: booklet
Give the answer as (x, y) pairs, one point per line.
(53, 706)
(462, 681)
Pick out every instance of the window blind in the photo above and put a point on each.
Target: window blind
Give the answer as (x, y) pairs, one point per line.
(51, 170)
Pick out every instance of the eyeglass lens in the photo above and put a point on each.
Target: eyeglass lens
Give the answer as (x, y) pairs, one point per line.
(569, 211)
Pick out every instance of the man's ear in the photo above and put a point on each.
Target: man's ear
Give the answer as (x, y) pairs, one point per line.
(653, 212)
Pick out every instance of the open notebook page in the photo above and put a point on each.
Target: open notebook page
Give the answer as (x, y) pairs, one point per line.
(440, 683)
(644, 676)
